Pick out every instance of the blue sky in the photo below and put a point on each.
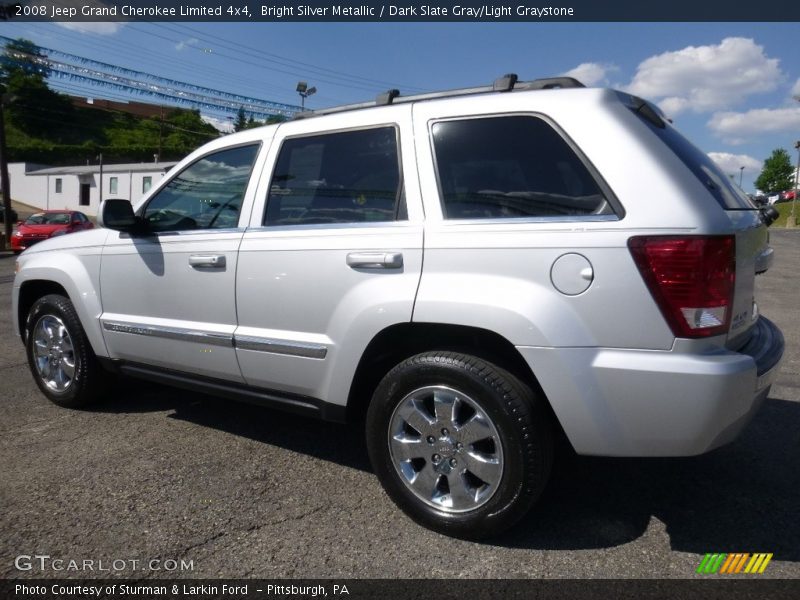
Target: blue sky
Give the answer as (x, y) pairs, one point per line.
(728, 86)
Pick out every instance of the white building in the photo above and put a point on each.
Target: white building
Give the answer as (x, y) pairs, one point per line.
(78, 188)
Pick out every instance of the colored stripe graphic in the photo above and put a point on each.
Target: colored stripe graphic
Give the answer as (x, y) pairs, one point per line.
(758, 563)
(711, 563)
(734, 563)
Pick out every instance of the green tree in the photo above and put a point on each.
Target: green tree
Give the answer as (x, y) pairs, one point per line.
(33, 107)
(777, 174)
(241, 120)
(187, 130)
(22, 56)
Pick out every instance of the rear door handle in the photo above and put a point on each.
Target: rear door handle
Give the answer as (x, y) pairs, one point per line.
(213, 261)
(375, 260)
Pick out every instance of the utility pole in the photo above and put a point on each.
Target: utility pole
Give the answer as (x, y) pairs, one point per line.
(792, 220)
(160, 130)
(5, 185)
(100, 158)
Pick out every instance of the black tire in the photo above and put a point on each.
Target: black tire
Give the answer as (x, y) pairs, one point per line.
(520, 421)
(89, 380)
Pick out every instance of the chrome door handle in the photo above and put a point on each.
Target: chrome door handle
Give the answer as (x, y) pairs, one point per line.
(375, 260)
(214, 261)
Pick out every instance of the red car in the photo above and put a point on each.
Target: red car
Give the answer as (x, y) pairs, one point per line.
(47, 224)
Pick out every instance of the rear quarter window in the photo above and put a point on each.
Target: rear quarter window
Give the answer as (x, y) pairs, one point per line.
(514, 166)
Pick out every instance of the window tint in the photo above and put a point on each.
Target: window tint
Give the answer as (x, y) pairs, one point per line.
(725, 192)
(507, 167)
(205, 195)
(345, 177)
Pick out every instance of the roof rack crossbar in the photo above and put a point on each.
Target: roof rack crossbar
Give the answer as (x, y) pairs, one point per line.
(506, 83)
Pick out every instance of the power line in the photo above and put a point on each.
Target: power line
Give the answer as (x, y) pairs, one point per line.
(149, 84)
(286, 61)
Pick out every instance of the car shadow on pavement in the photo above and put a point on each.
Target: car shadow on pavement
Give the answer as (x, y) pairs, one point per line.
(334, 442)
(743, 497)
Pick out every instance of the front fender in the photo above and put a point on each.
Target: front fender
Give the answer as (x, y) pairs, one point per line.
(78, 272)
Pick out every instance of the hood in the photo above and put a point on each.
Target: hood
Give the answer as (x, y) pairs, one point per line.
(41, 229)
(81, 239)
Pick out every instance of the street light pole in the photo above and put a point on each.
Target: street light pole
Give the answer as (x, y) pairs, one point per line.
(305, 92)
(741, 172)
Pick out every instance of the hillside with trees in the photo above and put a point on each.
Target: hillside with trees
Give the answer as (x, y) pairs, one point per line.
(44, 126)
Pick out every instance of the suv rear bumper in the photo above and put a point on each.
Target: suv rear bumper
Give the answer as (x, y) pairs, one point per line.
(615, 402)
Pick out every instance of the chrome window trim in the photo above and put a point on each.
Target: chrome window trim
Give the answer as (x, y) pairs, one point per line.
(172, 333)
(275, 346)
(331, 226)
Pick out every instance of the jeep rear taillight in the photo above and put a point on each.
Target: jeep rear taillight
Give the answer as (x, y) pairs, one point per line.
(691, 278)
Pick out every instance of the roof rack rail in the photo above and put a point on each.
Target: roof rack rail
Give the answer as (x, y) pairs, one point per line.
(506, 83)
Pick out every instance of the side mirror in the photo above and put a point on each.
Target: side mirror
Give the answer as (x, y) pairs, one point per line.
(769, 214)
(118, 215)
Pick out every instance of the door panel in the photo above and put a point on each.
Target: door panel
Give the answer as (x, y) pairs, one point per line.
(297, 289)
(169, 296)
(335, 256)
(158, 309)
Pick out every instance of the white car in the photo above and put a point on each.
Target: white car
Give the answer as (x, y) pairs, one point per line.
(470, 272)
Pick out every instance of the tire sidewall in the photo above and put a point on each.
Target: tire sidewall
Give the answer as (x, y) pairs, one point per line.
(509, 502)
(60, 307)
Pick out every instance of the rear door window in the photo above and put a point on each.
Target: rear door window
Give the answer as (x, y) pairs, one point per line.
(512, 167)
(339, 177)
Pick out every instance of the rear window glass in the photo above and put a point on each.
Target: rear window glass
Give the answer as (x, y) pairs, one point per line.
(724, 190)
(511, 167)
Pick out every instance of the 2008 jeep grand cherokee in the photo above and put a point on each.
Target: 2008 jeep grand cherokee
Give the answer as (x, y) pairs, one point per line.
(471, 272)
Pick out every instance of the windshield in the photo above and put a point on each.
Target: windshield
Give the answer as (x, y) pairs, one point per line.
(48, 219)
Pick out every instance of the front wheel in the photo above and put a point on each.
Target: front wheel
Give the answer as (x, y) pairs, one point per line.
(59, 355)
(461, 445)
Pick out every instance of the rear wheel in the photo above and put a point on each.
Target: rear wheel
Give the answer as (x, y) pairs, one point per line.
(461, 445)
(59, 355)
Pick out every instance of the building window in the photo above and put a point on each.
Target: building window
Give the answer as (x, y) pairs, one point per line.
(58, 185)
(112, 185)
(146, 183)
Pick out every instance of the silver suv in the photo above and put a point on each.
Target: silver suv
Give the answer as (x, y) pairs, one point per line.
(473, 273)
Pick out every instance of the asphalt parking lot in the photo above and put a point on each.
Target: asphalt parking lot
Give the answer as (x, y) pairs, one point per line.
(241, 491)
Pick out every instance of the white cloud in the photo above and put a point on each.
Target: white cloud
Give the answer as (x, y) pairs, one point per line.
(731, 163)
(223, 125)
(186, 44)
(706, 78)
(104, 28)
(736, 127)
(796, 89)
(591, 74)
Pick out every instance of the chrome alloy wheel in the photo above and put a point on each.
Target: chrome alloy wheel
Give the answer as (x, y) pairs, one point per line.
(446, 449)
(53, 353)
